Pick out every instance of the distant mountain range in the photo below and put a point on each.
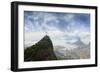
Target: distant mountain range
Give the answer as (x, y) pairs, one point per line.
(82, 51)
(79, 44)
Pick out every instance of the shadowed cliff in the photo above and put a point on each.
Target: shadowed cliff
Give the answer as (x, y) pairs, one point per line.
(41, 51)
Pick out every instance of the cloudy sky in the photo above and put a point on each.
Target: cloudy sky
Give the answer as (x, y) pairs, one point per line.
(61, 27)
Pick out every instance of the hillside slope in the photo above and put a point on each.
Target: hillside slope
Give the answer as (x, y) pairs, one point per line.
(41, 51)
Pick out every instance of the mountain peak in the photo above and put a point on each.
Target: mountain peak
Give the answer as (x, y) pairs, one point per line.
(79, 42)
(46, 37)
(42, 50)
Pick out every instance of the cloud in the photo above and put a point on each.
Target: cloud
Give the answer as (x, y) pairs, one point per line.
(33, 37)
(57, 37)
(61, 27)
(45, 21)
(69, 17)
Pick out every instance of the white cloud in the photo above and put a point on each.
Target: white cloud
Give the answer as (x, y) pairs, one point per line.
(48, 21)
(74, 30)
(69, 17)
(33, 37)
(57, 37)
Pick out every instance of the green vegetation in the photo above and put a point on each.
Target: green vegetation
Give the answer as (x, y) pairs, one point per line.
(41, 51)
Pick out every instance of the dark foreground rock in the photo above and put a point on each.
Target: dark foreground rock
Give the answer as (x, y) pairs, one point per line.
(41, 51)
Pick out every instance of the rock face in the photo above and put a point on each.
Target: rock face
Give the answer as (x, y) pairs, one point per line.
(41, 51)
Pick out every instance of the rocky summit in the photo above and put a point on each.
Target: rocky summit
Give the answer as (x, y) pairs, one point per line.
(41, 51)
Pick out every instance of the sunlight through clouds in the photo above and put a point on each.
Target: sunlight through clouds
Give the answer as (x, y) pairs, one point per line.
(63, 28)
